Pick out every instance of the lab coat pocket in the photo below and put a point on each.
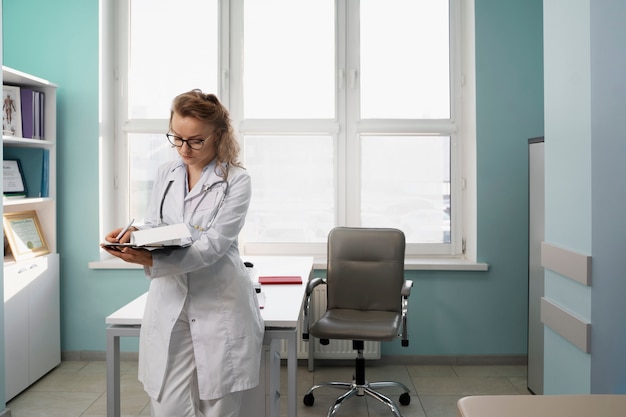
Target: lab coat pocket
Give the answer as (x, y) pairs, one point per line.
(206, 202)
(204, 210)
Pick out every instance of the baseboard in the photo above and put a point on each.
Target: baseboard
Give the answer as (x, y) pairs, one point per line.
(95, 355)
(5, 413)
(455, 359)
(451, 360)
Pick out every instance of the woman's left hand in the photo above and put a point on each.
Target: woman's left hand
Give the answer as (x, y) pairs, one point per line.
(135, 256)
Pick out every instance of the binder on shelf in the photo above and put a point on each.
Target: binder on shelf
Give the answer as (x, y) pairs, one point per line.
(45, 174)
(28, 112)
(42, 101)
(37, 116)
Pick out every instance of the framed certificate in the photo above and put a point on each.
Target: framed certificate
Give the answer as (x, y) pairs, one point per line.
(13, 183)
(23, 231)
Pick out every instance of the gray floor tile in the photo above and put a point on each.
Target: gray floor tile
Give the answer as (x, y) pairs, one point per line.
(378, 409)
(440, 405)
(520, 384)
(491, 370)
(52, 404)
(463, 385)
(430, 370)
(78, 389)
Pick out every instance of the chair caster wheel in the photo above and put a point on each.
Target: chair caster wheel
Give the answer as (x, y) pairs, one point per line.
(309, 399)
(405, 399)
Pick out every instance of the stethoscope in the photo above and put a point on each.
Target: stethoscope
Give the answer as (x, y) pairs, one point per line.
(205, 191)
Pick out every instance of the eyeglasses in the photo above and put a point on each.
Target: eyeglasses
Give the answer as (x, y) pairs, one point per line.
(177, 141)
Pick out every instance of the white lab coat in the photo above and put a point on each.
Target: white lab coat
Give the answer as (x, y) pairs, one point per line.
(226, 324)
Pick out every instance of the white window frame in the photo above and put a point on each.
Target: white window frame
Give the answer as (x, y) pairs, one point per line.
(114, 197)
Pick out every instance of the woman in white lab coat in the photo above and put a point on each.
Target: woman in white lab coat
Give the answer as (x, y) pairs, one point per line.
(202, 331)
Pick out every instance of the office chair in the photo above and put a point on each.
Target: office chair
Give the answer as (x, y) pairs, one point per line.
(367, 300)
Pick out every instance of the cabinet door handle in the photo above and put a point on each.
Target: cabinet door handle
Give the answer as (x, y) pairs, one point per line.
(28, 268)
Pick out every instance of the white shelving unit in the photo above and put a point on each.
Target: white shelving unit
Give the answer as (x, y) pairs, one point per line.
(31, 287)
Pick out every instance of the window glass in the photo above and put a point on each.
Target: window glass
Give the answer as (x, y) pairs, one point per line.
(173, 48)
(289, 50)
(373, 149)
(292, 188)
(146, 152)
(405, 183)
(405, 59)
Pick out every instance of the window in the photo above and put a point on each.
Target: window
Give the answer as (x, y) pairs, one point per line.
(348, 112)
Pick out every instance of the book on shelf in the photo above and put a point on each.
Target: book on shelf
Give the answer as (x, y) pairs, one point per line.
(43, 119)
(23, 112)
(37, 116)
(28, 112)
(45, 174)
(40, 120)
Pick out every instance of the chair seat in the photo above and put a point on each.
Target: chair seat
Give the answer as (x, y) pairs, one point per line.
(347, 324)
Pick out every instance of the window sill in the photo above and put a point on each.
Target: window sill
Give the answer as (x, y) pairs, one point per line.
(444, 264)
(428, 264)
(112, 263)
(411, 264)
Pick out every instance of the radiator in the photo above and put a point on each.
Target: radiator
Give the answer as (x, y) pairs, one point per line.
(336, 349)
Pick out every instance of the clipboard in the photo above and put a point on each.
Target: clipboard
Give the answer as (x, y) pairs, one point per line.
(162, 237)
(280, 279)
(119, 246)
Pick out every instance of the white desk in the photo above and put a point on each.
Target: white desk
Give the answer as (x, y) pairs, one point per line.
(542, 405)
(282, 310)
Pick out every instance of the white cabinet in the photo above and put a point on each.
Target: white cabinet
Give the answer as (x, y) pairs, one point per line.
(15, 337)
(536, 228)
(31, 311)
(31, 286)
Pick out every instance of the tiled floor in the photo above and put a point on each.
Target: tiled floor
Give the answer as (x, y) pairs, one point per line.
(78, 389)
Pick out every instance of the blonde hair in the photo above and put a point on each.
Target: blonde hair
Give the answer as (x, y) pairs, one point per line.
(208, 109)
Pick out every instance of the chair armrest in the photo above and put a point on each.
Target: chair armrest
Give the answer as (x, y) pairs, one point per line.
(310, 286)
(406, 287)
(406, 292)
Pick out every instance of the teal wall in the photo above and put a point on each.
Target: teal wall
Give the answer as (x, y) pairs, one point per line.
(452, 313)
(59, 42)
(585, 100)
(608, 98)
(485, 313)
(568, 179)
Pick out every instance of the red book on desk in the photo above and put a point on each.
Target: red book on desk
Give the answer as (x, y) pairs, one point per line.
(280, 279)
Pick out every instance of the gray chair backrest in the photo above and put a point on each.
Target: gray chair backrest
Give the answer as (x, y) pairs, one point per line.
(365, 269)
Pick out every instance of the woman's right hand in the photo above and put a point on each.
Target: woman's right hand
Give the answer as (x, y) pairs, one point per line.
(111, 237)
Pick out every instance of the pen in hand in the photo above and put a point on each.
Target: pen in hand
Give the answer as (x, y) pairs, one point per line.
(124, 230)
